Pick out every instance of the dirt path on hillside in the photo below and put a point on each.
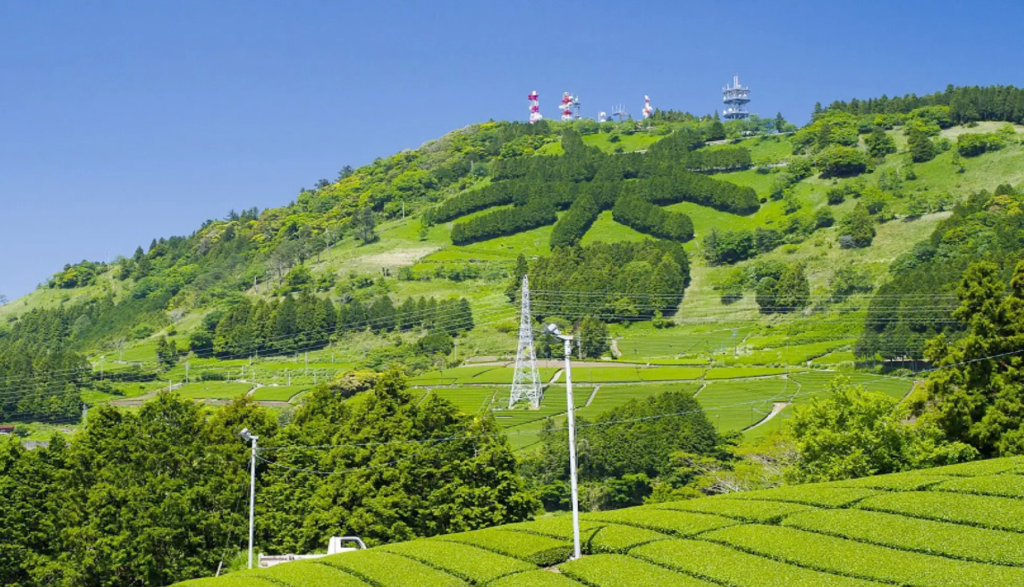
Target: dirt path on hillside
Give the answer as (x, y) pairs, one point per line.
(777, 408)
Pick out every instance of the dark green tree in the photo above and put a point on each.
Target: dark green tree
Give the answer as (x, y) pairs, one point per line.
(593, 335)
(921, 146)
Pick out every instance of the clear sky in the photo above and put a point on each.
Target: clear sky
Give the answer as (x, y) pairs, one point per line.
(121, 121)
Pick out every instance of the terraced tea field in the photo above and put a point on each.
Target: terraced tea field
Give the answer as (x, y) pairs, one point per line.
(957, 526)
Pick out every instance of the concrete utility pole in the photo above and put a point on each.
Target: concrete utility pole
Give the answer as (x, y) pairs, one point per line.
(252, 488)
(571, 410)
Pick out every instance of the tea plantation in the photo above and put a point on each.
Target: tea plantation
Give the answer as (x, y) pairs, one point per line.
(951, 526)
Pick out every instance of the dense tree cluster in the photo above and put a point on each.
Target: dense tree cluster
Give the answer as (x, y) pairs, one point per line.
(974, 144)
(851, 432)
(307, 322)
(536, 213)
(540, 185)
(638, 213)
(619, 281)
(976, 388)
(400, 485)
(965, 104)
(985, 227)
(157, 496)
(626, 454)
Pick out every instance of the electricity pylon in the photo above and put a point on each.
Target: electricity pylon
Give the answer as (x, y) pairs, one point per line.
(526, 380)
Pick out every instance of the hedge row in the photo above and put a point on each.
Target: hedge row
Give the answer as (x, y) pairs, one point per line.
(927, 536)
(997, 485)
(643, 216)
(1000, 513)
(472, 201)
(895, 482)
(727, 566)
(724, 159)
(467, 562)
(381, 568)
(533, 548)
(868, 561)
(503, 222)
(819, 495)
(765, 512)
(304, 574)
(686, 186)
(571, 227)
(613, 570)
(667, 521)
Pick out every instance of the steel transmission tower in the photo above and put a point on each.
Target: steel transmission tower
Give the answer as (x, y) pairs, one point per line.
(526, 381)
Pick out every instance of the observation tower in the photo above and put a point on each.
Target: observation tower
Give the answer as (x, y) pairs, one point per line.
(735, 98)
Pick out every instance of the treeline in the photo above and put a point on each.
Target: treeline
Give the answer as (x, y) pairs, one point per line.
(307, 323)
(152, 497)
(536, 213)
(471, 201)
(635, 211)
(966, 104)
(985, 227)
(615, 282)
(723, 159)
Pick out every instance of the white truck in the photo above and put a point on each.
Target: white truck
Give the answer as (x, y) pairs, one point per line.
(335, 546)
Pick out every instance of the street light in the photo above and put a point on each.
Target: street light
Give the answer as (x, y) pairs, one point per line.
(571, 408)
(249, 437)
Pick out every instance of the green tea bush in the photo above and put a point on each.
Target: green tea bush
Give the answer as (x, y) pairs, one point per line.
(387, 570)
(987, 512)
(856, 559)
(727, 566)
(668, 521)
(534, 548)
(819, 495)
(765, 512)
(927, 536)
(614, 570)
(305, 574)
(997, 485)
(468, 562)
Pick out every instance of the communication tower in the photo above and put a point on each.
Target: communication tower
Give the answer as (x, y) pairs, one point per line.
(526, 379)
(735, 97)
(647, 107)
(602, 117)
(566, 106)
(535, 114)
(576, 108)
(620, 113)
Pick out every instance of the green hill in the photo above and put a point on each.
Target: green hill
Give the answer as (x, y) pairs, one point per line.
(383, 240)
(950, 526)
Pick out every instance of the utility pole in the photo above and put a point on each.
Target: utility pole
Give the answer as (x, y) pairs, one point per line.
(85, 413)
(187, 380)
(571, 411)
(252, 488)
(305, 370)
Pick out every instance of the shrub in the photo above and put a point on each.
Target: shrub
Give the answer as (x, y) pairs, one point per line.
(838, 161)
(667, 521)
(503, 222)
(974, 144)
(540, 550)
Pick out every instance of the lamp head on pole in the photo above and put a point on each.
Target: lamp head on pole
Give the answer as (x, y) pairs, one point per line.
(553, 330)
(247, 436)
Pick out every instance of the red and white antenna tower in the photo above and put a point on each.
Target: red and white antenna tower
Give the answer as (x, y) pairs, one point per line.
(566, 106)
(535, 114)
(647, 107)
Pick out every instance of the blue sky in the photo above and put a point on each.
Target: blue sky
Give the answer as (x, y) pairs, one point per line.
(123, 121)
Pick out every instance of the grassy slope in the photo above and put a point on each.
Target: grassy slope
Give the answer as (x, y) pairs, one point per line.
(704, 326)
(952, 526)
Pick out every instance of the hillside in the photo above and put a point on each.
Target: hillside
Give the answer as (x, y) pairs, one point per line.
(380, 238)
(951, 526)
